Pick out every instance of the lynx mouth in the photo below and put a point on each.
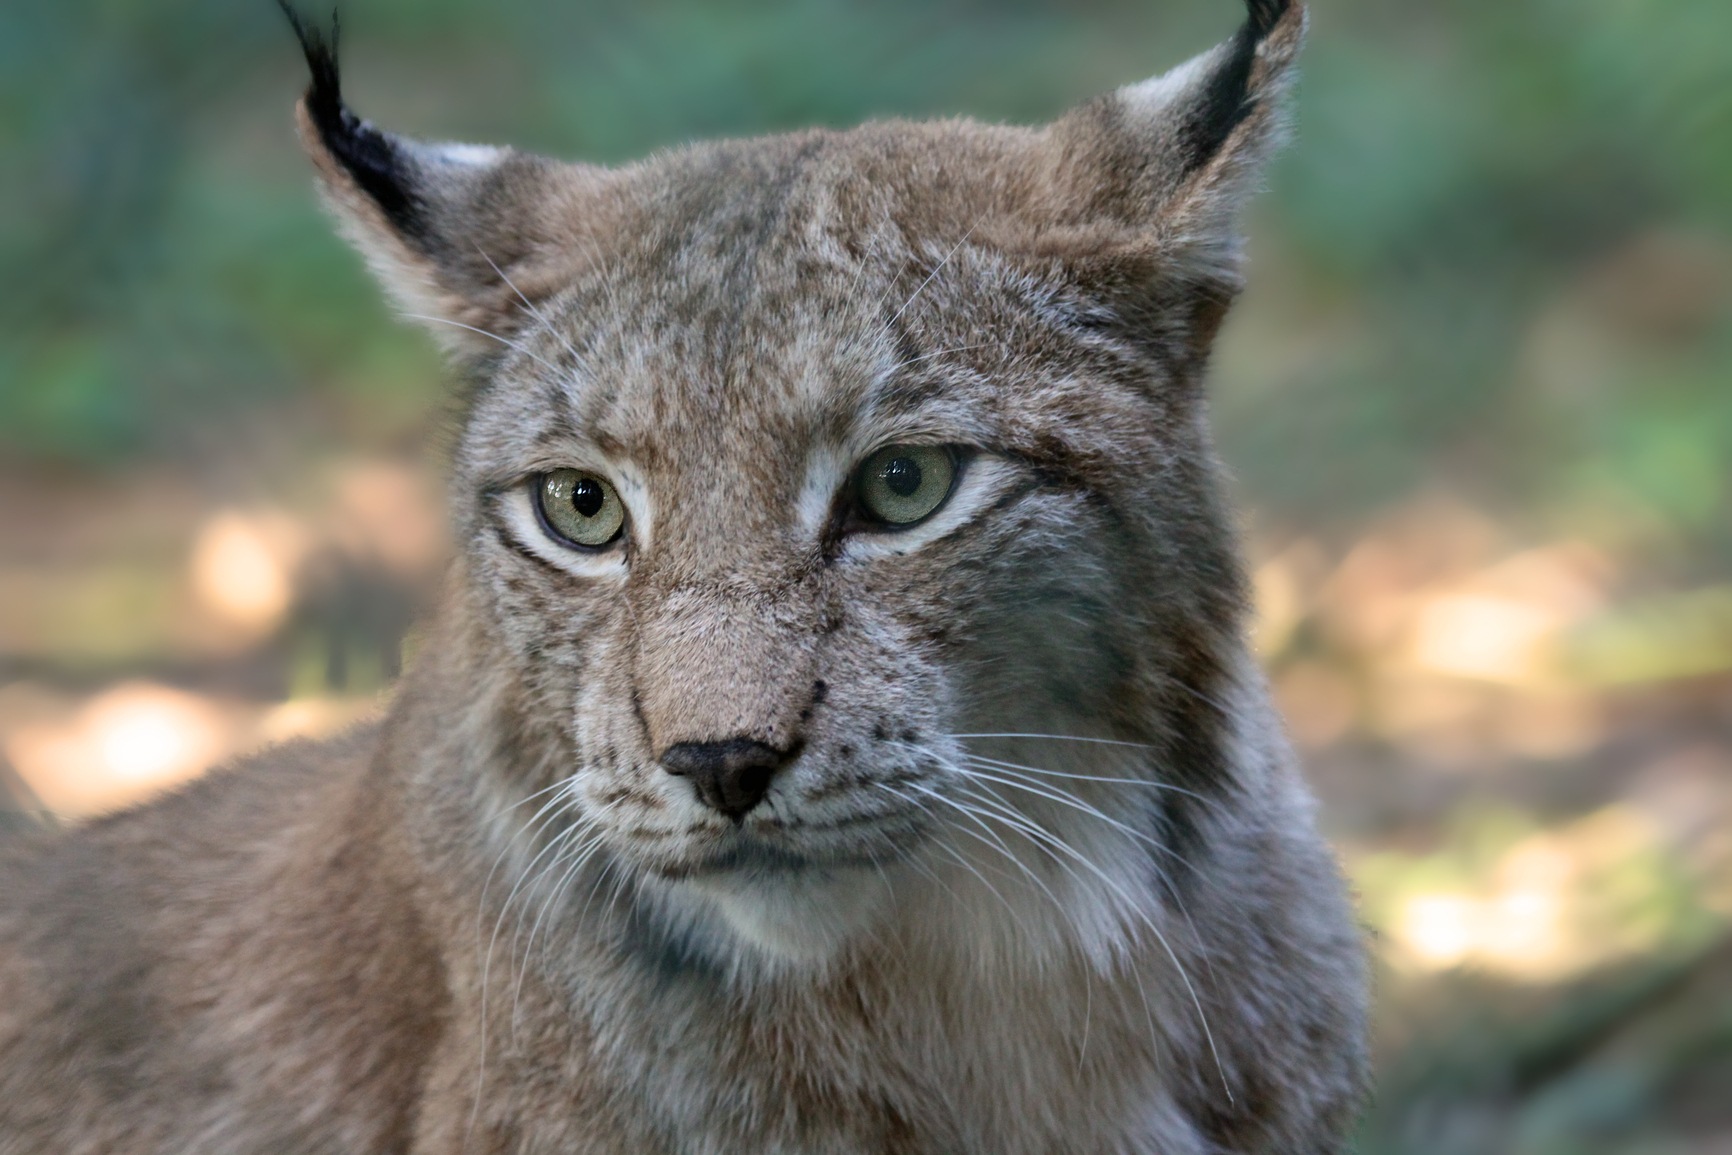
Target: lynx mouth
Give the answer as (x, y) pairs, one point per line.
(770, 848)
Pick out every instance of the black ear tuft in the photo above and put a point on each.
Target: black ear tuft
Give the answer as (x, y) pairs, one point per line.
(1225, 101)
(1263, 15)
(375, 160)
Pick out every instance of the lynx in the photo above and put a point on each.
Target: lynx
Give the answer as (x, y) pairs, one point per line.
(837, 733)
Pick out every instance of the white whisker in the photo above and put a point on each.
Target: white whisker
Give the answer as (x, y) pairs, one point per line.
(938, 353)
(1035, 830)
(1154, 843)
(578, 857)
(966, 865)
(513, 345)
(954, 249)
(1035, 786)
(1148, 782)
(996, 843)
(1063, 738)
(536, 313)
(529, 876)
(487, 959)
(504, 810)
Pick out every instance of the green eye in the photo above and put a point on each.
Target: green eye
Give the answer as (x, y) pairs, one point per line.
(901, 484)
(580, 507)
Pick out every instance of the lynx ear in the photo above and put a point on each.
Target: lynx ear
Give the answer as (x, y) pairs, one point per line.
(1152, 179)
(466, 238)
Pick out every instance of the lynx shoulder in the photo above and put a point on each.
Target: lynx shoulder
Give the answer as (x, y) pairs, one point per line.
(838, 733)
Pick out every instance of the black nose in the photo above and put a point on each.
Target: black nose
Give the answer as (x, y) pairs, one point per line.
(729, 776)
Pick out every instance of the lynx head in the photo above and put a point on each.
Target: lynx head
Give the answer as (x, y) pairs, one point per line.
(836, 508)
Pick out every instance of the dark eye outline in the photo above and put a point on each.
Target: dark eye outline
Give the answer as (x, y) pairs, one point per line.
(856, 518)
(537, 481)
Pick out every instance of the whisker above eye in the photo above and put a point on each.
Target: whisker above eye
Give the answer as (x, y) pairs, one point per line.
(954, 249)
(940, 353)
(576, 357)
(483, 332)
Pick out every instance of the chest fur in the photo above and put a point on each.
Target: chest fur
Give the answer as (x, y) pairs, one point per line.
(917, 1059)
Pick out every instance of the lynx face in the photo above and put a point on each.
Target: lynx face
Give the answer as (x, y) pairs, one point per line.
(842, 499)
(767, 680)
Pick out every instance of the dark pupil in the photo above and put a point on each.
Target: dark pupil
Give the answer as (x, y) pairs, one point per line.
(587, 497)
(902, 476)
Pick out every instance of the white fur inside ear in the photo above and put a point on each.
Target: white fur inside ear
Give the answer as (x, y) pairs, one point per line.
(983, 480)
(442, 175)
(1148, 99)
(518, 507)
(477, 155)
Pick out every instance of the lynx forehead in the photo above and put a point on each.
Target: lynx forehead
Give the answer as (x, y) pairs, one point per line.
(838, 734)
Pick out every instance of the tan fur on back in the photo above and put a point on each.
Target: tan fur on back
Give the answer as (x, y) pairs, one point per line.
(1037, 873)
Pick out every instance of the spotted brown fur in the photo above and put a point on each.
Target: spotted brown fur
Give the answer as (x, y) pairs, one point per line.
(497, 923)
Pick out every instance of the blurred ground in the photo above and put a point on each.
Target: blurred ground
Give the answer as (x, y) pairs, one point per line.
(1478, 402)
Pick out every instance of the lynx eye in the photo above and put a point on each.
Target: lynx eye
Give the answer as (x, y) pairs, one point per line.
(580, 508)
(902, 484)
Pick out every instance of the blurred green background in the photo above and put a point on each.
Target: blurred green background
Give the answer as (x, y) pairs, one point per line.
(1477, 404)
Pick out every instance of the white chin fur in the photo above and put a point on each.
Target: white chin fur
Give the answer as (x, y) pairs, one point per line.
(794, 919)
